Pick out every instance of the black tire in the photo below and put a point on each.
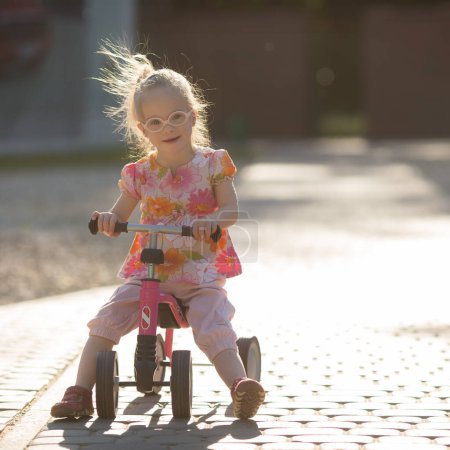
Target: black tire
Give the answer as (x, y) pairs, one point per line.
(107, 384)
(181, 384)
(250, 354)
(160, 372)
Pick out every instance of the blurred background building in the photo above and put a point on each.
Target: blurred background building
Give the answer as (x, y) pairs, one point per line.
(288, 69)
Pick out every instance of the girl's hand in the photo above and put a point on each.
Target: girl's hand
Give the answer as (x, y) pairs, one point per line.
(203, 228)
(106, 222)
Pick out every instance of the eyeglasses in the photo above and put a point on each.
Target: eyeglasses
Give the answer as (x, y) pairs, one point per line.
(176, 119)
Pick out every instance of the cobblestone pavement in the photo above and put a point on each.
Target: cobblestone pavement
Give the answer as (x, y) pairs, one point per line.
(346, 288)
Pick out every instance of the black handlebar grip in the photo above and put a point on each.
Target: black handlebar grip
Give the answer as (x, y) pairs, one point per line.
(93, 226)
(120, 227)
(186, 230)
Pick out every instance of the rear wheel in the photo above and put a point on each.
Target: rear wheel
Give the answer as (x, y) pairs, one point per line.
(107, 384)
(181, 384)
(250, 353)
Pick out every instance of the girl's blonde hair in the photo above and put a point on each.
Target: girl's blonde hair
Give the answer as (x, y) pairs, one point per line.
(128, 76)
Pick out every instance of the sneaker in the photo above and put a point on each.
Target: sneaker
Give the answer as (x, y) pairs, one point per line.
(248, 395)
(77, 402)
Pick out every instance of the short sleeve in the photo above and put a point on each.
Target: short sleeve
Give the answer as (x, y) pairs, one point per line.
(222, 167)
(128, 182)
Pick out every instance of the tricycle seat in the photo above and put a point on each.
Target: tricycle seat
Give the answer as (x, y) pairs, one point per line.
(171, 313)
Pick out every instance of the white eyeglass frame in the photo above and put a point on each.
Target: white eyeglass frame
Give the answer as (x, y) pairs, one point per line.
(187, 114)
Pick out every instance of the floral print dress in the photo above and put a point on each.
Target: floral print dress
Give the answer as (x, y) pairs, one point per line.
(176, 200)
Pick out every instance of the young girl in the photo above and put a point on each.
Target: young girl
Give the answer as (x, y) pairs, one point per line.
(179, 180)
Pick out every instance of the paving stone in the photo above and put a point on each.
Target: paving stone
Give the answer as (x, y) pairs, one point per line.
(260, 418)
(434, 419)
(442, 406)
(443, 393)
(278, 424)
(366, 391)
(332, 398)
(403, 439)
(296, 431)
(344, 412)
(419, 413)
(3, 422)
(360, 419)
(403, 446)
(374, 432)
(315, 405)
(63, 433)
(288, 446)
(48, 440)
(277, 398)
(261, 439)
(434, 425)
(336, 439)
(304, 411)
(240, 429)
(406, 419)
(394, 399)
(276, 412)
(13, 405)
(91, 425)
(231, 446)
(305, 418)
(387, 425)
(429, 433)
(88, 439)
(369, 406)
(113, 433)
(118, 446)
(55, 447)
(411, 392)
(338, 446)
(15, 397)
(331, 424)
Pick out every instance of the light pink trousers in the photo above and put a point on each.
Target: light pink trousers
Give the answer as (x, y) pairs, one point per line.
(209, 314)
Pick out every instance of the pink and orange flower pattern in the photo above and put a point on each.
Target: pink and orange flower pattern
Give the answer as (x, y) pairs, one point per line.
(180, 199)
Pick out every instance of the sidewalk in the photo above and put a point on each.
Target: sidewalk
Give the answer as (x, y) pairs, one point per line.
(39, 339)
(350, 284)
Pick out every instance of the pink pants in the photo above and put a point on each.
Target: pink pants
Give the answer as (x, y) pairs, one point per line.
(209, 314)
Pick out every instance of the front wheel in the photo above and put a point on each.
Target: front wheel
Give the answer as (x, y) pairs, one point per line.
(181, 384)
(107, 384)
(160, 356)
(250, 353)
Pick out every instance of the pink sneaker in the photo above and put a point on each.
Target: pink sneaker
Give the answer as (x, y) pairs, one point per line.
(248, 395)
(77, 402)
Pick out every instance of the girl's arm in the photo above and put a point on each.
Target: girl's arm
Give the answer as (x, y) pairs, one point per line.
(226, 215)
(121, 211)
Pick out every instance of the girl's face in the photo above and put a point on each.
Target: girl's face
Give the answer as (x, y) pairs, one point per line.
(160, 104)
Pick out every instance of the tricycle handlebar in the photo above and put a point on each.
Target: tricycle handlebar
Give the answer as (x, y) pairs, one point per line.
(124, 227)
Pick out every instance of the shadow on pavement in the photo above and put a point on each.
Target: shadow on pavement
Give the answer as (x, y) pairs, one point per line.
(141, 405)
(101, 433)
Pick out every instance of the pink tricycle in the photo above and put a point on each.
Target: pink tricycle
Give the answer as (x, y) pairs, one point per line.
(165, 311)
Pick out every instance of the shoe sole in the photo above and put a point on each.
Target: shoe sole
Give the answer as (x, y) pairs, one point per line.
(61, 412)
(247, 401)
